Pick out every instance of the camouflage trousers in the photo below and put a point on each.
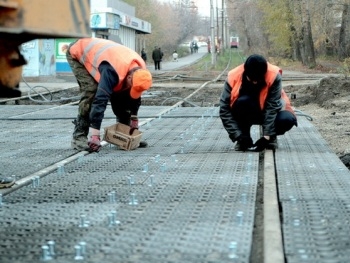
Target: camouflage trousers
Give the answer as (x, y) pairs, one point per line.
(87, 88)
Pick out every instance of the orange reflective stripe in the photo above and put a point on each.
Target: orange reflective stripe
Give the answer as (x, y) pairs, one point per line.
(98, 54)
(234, 79)
(270, 77)
(91, 52)
(86, 50)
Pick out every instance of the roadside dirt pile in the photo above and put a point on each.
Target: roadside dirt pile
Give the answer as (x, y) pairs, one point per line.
(327, 102)
(330, 92)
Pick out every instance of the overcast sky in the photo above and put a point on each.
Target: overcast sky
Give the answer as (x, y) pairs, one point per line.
(203, 5)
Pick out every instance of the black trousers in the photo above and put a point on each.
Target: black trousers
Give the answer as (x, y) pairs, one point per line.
(157, 65)
(247, 112)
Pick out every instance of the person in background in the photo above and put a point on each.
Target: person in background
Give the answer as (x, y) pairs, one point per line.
(175, 56)
(105, 71)
(161, 54)
(157, 57)
(144, 55)
(253, 94)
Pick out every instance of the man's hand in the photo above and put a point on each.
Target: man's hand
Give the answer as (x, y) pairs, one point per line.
(95, 143)
(245, 141)
(261, 144)
(134, 124)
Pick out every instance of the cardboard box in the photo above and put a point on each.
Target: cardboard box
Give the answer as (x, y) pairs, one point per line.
(118, 134)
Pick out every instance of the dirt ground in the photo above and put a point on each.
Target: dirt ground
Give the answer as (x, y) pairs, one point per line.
(327, 102)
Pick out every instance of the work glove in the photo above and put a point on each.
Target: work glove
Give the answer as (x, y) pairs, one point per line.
(134, 124)
(245, 141)
(260, 144)
(94, 143)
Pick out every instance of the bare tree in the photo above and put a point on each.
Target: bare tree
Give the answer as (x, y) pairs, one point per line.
(245, 21)
(297, 29)
(344, 46)
(306, 43)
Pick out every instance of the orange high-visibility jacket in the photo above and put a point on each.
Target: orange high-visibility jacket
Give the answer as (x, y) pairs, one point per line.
(234, 79)
(92, 51)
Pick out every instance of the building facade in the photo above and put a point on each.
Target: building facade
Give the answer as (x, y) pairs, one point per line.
(109, 19)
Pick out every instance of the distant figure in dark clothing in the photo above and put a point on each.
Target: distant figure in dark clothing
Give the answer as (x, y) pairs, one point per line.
(144, 55)
(157, 57)
(161, 56)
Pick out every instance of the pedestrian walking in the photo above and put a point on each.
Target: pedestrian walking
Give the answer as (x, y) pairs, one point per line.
(157, 57)
(175, 56)
(253, 94)
(144, 55)
(105, 71)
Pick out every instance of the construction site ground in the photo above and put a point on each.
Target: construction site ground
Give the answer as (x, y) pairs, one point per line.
(188, 197)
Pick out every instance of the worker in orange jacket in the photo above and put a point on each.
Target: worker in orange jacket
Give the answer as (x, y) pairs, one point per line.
(105, 71)
(253, 94)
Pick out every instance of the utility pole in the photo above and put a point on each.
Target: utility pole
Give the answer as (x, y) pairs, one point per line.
(217, 24)
(223, 43)
(227, 37)
(212, 42)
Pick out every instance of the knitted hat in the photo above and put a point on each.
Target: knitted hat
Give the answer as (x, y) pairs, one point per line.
(141, 81)
(255, 67)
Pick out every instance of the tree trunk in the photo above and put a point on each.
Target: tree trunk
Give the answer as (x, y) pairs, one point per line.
(344, 51)
(308, 55)
(295, 51)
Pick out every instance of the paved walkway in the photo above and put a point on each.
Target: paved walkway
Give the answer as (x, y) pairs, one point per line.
(182, 61)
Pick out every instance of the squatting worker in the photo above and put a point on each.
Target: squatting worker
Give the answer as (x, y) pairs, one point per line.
(253, 94)
(105, 71)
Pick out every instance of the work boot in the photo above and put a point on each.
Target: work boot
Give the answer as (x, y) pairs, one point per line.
(273, 144)
(80, 144)
(6, 182)
(80, 133)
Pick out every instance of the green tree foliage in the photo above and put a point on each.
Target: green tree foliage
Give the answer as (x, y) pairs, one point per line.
(297, 29)
(288, 25)
(278, 25)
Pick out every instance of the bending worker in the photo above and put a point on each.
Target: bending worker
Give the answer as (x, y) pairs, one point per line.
(253, 94)
(105, 71)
